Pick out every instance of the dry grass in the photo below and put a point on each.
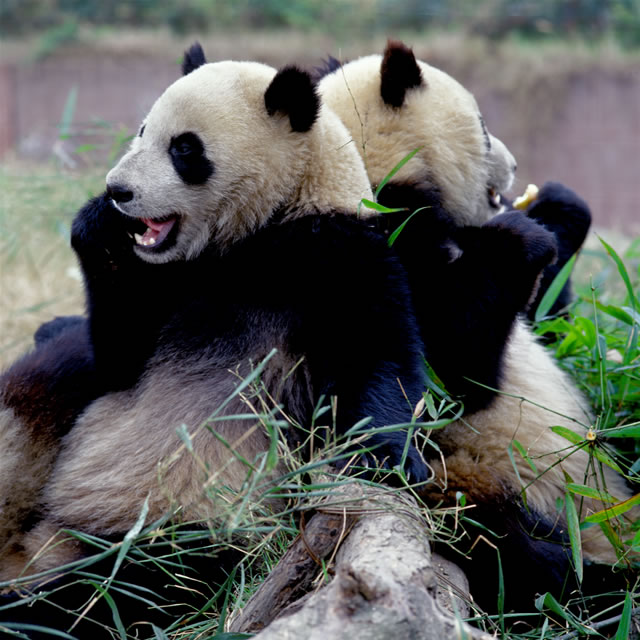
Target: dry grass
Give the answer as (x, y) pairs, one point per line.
(39, 278)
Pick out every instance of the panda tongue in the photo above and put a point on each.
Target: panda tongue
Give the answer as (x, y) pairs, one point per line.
(156, 231)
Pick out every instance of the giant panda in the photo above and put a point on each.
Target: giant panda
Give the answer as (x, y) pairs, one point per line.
(230, 227)
(392, 105)
(227, 230)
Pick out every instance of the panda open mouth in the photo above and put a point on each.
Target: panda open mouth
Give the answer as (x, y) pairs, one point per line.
(495, 200)
(153, 234)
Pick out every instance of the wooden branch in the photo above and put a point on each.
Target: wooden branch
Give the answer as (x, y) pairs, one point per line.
(384, 586)
(294, 574)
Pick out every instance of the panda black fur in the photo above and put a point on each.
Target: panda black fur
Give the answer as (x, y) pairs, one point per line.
(391, 105)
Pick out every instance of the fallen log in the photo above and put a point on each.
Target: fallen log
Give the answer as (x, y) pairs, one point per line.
(384, 581)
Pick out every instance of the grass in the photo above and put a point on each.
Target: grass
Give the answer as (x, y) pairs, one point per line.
(39, 277)
(597, 345)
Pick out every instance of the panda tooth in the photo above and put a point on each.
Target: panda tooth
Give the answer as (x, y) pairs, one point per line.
(150, 241)
(138, 238)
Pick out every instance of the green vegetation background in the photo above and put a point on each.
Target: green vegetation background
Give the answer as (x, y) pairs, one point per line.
(539, 19)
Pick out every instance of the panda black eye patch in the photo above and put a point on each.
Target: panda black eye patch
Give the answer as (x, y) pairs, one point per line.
(189, 159)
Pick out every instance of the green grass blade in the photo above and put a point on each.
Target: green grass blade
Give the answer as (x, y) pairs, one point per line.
(114, 610)
(17, 626)
(568, 434)
(605, 458)
(517, 471)
(525, 456)
(616, 312)
(552, 293)
(395, 170)
(159, 633)
(380, 208)
(573, 527)
(615, 510)
(398, 231)
(132, 534)
(624, 628)
(68, 112)
(628, 431)
(590, 492)
(547, 601)
(622, 270)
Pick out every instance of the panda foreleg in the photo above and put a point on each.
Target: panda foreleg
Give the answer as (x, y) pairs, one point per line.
(467, 306)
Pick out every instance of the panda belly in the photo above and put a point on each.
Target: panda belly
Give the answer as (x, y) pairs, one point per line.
(125, 449)
(477, 461)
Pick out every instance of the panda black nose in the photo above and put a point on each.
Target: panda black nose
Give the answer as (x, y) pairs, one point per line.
(119, 193)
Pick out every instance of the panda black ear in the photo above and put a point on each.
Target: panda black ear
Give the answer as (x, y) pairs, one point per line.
(292, 92)
(399, 71)
(193, 58)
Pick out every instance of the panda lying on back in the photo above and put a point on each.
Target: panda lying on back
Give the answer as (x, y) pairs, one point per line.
(228, 229)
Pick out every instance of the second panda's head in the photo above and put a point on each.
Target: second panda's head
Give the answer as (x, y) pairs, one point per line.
(393, 104)
(222, 149)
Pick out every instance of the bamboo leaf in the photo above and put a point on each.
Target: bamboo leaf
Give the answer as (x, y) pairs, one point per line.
(605, 458)
(590, 492)
(615, 312)
(622, 270)
(573, 527)
(568, 434)
(380, 208)
(552, 293)
(624, 628)
(395, 170)
(615, 510)
(398, 231)
(525, 456)
(628, 431)
(547, 601)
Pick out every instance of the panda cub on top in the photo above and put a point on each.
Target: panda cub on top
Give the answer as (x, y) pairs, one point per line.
(392, 105)
(227, 230)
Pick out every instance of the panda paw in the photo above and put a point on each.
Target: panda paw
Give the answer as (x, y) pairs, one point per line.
(564, 213)
(52, 329)
(385, 453)
(522, 241)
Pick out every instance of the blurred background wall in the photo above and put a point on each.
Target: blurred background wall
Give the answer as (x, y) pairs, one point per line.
(557, 81)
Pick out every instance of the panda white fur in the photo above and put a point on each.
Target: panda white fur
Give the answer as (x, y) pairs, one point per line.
(227, 229)
(391, 105)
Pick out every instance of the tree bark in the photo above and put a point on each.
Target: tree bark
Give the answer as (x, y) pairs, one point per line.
(385, 583)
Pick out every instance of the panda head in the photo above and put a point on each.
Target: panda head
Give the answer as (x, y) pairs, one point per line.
(222, 149)
(393, 104)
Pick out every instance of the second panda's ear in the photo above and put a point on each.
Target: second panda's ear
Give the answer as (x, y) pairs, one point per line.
(293, 93)
(399, 71)
(193, 58)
